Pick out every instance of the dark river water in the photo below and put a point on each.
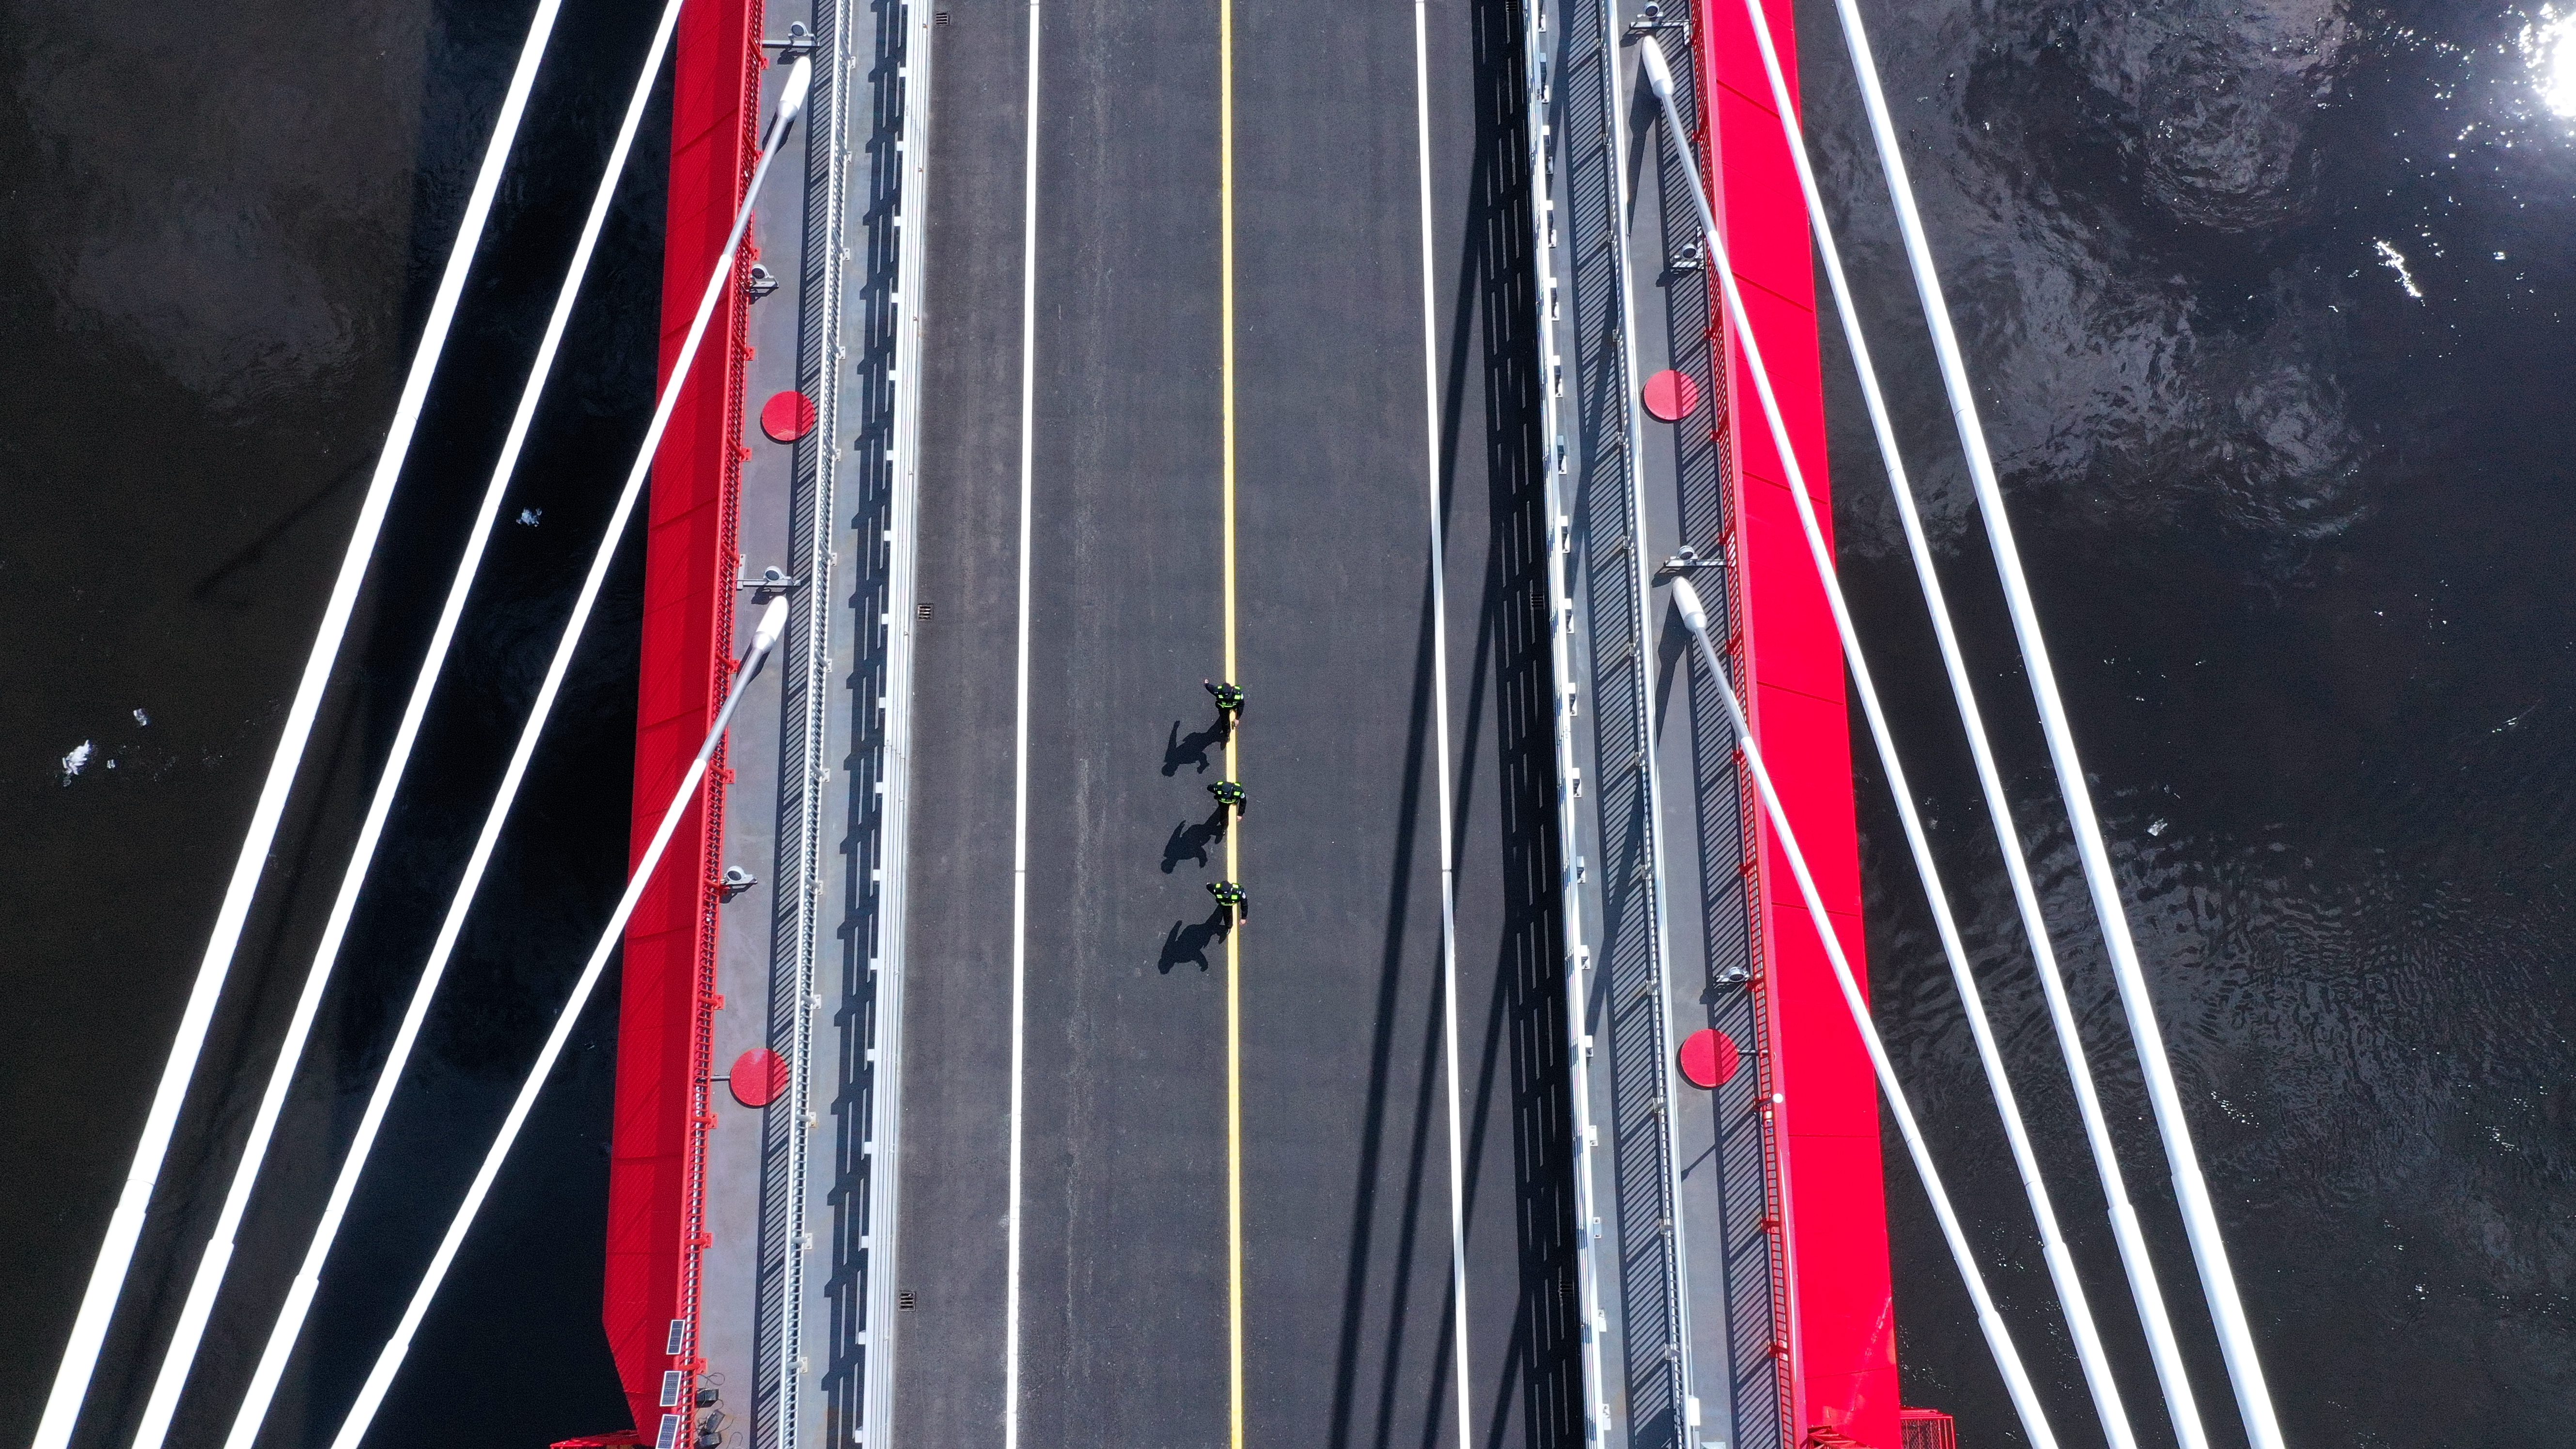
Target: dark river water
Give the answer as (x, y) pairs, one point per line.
(2266, 299)
(222, 225)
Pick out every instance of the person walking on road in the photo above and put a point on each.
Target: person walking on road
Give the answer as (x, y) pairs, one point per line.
(1229, 795)
(1229, 896)
(1229, 700)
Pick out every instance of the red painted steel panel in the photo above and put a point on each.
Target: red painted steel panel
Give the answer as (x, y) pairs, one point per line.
(1787, 333)
(1826, 1075)
(1843, 1362)
(689, 567)
(1806, 741)
(1729, 32)
(1767, 257)
(1797, 647)
(1850, 1338)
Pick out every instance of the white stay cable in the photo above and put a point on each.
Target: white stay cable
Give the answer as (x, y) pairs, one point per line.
(181, 1355)
(371, 1395)
(1998, 1338)
(2061, 1263)
(125, 1224)
(2144, 1287)
(2199, 1216)
(308, 1278)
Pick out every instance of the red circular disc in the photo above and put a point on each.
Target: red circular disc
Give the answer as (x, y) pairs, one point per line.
(1709, 1057)
(759, 1075)
(1670, 396)
(787, 417)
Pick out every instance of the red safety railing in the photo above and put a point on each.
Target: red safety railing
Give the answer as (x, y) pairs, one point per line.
(694, 1238)
(657, 1170)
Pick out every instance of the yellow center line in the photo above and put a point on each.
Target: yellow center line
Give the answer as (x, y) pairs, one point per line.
(1233, 741)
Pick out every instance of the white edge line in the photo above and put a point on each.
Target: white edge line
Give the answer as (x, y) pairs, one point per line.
(885, 1136)
(1020, 764)
(1440, 717)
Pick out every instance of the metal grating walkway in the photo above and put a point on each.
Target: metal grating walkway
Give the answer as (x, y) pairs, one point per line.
(1691, 1309)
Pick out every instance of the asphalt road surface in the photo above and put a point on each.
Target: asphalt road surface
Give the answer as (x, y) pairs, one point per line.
(1228, 1211)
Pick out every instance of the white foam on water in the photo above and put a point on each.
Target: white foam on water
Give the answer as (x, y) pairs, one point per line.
(2395, 261)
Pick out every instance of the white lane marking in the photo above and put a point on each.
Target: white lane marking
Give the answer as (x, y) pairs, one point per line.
(1020, 763)
(1440, 714)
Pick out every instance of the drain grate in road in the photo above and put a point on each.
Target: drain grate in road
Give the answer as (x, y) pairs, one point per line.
(905, 1301)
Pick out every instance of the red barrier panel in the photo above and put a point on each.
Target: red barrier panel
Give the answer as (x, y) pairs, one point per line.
(655, 1187)
(1831, 1196)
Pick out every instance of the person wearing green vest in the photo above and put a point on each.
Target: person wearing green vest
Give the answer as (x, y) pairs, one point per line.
(1230, 897)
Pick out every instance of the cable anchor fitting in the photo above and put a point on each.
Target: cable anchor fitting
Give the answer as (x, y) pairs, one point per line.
(1652, 21)
(798, 44)
(772, 580)
(1687, 559)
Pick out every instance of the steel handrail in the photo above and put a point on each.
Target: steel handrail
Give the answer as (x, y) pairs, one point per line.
(1560, 599)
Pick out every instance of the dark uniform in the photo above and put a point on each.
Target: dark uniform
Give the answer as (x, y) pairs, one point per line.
(1228, 793)
(1229, 700)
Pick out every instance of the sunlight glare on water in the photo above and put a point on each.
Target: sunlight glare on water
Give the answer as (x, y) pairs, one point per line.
(2551, 45)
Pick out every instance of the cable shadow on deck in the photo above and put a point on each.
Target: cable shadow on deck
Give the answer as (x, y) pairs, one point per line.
(1520, 1074)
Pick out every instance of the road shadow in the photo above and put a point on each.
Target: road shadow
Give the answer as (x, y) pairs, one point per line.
(228, 579)
(1191, 840)
(1529, 1387)
(1188, 943)
(1192, 749)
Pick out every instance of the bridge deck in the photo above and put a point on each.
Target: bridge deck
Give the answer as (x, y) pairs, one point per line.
(1140, 1009)
(1127, 1263)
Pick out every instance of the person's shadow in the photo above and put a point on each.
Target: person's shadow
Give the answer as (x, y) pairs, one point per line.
(1192, 749)
(1188, 943)
(1192, 840)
